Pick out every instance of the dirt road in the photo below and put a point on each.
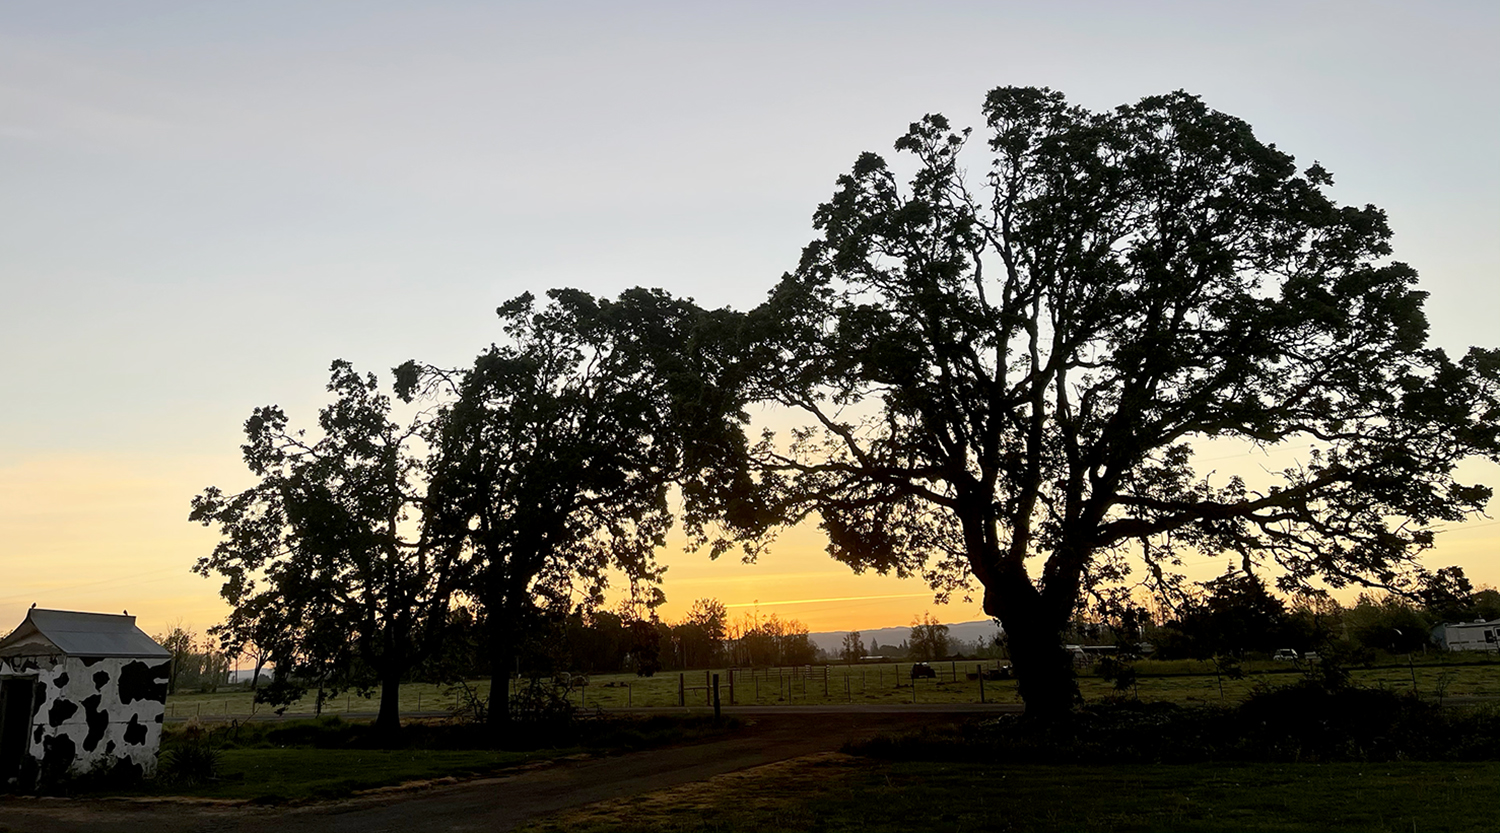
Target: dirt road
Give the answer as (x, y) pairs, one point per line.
(502, 802)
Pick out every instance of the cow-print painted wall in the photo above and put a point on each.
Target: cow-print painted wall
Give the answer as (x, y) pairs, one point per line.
(96, 712)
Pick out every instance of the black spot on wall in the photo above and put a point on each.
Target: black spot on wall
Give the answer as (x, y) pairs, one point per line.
(58, 753)
(138, 681)
(61, 710)
(36, 734)
(135, 731)
(159, 716)
(98, 722)
(100, 678)
(61, 681)
(92, 660)
(109, 748)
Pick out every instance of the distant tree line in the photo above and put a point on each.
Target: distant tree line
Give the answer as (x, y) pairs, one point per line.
(627, 640)
(1236, 615)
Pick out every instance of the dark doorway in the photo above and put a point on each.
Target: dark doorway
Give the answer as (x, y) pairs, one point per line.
(18, 704)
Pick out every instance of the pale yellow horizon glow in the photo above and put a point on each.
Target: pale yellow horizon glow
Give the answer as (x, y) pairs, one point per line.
(110, 533)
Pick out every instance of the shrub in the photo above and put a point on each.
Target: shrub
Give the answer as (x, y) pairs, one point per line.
(190, 764)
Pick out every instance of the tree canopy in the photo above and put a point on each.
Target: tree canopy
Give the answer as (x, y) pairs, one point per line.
(319, 563)
(1005, 371)
(518, 485)
(556, 451)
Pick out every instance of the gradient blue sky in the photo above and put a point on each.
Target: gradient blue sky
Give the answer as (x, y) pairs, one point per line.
(204, 203)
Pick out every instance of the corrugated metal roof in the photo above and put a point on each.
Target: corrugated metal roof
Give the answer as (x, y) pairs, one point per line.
(87, 634)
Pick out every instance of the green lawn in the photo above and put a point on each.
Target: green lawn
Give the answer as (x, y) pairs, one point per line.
(843, 793)
(298, 759)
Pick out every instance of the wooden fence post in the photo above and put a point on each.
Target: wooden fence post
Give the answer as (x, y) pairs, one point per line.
(716, 697)
(980, 670)
(682, 689)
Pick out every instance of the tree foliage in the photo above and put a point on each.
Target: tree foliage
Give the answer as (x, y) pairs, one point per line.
(758, 642)
(197, 665)
(699, 638)
(319, 562)
(929, 638)
(1005, 373)
(556, 450)
(1236, 614)
(853, 647)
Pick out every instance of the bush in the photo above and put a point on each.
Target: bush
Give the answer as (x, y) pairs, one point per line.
(189, 765)
(188, 757)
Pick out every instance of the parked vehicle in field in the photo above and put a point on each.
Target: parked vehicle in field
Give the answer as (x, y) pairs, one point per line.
(922, 669)
(1285, 655)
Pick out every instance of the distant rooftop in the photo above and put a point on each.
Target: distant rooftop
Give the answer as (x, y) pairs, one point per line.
(75, 633)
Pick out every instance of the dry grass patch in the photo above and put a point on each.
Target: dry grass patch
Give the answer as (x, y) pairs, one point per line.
(836, 792)
(767, 797)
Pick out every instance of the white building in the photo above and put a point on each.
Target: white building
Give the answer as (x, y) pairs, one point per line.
(79, 691)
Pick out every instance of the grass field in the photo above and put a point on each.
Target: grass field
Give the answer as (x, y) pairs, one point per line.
(841, 792)
(299, 759)
(1183, 682)
(283, 775)
(836, 792)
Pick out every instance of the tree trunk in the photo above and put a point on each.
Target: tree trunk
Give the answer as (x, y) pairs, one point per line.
(502, 660)
(388, 721)
(1044, 670)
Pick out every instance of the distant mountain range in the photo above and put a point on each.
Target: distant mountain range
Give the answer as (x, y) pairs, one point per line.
(833, 641)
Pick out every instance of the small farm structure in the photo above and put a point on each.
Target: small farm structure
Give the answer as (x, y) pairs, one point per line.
(79, 692)
(1468, 636)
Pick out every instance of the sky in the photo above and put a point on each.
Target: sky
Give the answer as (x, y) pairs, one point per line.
(204, 203)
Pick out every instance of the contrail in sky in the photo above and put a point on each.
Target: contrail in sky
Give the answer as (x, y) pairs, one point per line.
(834, 599)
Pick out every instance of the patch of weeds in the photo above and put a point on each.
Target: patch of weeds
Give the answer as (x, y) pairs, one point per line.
(189, 765)
(110, 775)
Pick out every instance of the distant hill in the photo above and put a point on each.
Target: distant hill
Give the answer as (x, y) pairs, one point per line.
(833, 641)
